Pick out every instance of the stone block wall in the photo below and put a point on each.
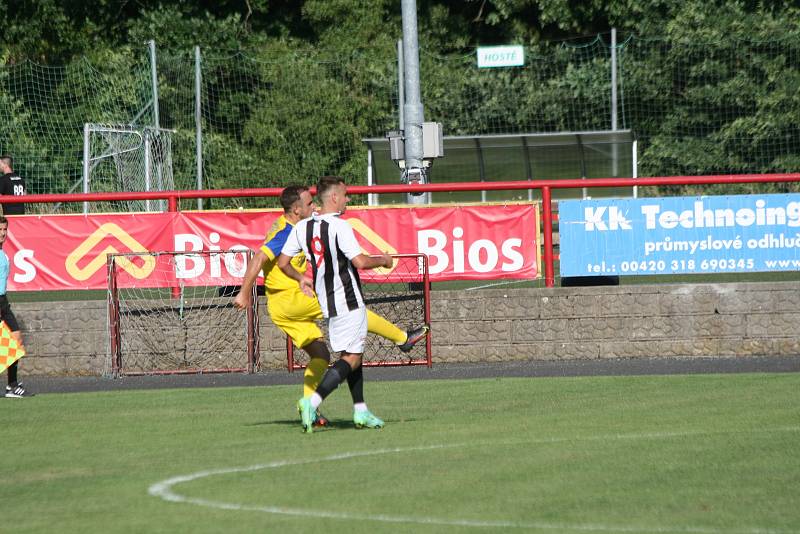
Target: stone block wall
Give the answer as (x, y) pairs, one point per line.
(618, 322)
(70, 338)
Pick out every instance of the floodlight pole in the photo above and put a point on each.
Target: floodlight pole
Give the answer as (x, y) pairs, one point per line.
(401, 97)
(413, 115)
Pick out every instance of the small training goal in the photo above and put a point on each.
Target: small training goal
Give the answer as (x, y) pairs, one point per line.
(168, 312)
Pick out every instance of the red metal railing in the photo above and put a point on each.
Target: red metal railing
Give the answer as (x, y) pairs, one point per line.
(546, 186)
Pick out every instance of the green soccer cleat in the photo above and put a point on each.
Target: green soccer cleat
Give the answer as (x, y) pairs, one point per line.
(307, 414)
(367, 419)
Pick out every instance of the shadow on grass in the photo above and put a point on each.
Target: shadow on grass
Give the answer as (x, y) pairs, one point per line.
(332, 425)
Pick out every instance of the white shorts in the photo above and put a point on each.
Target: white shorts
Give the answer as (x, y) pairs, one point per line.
(348, 332)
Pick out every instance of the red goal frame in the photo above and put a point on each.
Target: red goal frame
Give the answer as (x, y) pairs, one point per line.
(422, 280)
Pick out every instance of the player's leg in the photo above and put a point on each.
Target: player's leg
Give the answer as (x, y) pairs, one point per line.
(362, 417)
(304, 312)
(14, 389)
(319, 358)
(405, 340)
(296, 315)
(12, 375)
(381, 327)
(347, 335)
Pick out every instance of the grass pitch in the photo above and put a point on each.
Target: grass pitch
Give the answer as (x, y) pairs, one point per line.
(699, 453)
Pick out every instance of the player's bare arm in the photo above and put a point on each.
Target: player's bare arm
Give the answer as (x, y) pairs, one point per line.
(370, 262)
(244, 299)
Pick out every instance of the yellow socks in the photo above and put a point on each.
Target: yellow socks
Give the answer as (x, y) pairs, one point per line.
(380, 326)
(313, 376)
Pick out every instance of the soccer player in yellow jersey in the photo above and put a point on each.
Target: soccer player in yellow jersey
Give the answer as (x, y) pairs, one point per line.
(291, 310)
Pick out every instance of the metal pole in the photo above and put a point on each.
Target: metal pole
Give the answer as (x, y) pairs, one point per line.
(528, 170)
(198, 124)
(148, 162)
(413, 115)
(372, 200)
(614, 146)
(613, 79)
(481, 167)
(401, 97)
(156, 120)
(154, 81)
(86, 156)
(583, 163)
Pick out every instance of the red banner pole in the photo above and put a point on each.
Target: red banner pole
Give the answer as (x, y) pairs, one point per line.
(547, 220)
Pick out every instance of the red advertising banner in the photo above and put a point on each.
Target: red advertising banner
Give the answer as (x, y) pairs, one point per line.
(463, 242)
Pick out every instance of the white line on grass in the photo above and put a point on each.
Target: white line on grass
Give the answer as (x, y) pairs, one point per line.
(164, 490)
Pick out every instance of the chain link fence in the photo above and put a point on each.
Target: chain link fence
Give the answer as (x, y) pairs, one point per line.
(267, 118)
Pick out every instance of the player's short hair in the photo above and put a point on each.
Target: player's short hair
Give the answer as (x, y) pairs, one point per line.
(8, 160)
(3, 219)
(290, 195)
(326, 183)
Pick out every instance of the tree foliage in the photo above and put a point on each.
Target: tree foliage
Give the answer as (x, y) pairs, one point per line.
(707, 86)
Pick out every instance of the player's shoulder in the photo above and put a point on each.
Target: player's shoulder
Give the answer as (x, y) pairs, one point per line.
(277, 225)
(279, 230)
(302, 224)
(341, 223)
(333, 219)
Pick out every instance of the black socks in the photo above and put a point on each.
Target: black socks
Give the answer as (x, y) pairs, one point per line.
(356, 382)
(12, 374)
(334, 376)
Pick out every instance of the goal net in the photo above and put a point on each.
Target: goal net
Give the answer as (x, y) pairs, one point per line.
(127, 158)
(401, 295)
(168, 313)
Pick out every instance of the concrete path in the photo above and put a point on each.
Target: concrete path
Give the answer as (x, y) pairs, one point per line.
(639, 366)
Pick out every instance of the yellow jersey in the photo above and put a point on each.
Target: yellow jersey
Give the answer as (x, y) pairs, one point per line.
(274, 279)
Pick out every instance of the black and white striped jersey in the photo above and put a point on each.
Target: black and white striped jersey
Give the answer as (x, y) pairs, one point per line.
(329, 244)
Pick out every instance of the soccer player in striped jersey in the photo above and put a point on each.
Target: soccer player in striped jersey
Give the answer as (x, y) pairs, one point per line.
(328, 242)
(292, 311)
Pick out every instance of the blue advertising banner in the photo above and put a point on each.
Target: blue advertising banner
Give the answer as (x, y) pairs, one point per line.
(720, 234)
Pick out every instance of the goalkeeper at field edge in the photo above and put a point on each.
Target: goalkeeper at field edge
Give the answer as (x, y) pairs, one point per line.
(297, 314)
